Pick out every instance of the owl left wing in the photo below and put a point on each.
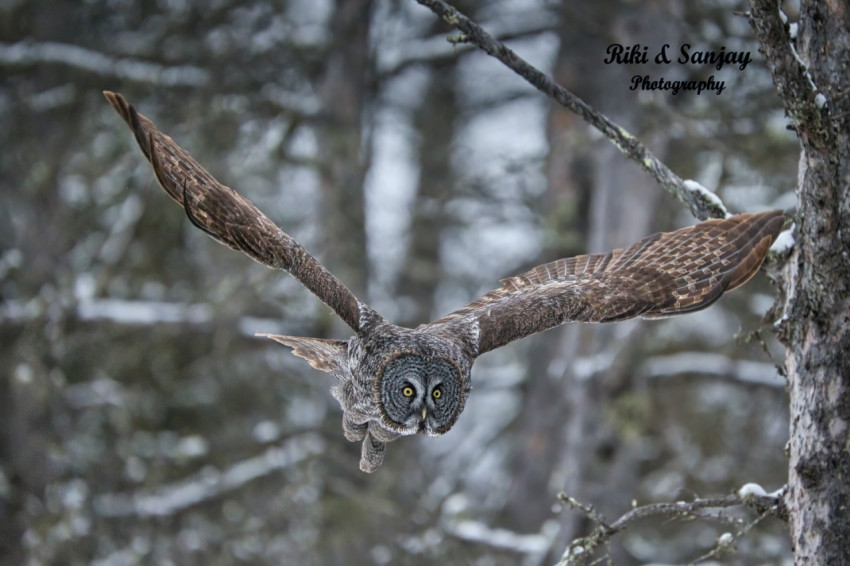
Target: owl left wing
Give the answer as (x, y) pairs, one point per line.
(232, 219)
(663, 274)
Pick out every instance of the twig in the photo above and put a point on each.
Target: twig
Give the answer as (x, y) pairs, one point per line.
(701, 202)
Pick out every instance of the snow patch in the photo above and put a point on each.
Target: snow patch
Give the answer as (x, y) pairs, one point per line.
(751, 490)
(696, 187)
(784, 242)
(800, 61)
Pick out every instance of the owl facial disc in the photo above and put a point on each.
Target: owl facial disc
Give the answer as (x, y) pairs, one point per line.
(420, 394)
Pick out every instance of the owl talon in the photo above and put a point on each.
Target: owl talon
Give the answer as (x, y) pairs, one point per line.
(372, 454)
(352, 430)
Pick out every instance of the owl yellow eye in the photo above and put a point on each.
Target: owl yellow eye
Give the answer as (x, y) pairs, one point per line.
(407, 391)
(437, 393)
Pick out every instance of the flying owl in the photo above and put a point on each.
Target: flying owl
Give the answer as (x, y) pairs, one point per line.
(393, 381)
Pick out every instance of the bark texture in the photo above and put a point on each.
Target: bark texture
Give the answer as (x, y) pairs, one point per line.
(815, 327)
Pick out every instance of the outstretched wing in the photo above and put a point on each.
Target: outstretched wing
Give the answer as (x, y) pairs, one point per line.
(661, 275)
(232, 219)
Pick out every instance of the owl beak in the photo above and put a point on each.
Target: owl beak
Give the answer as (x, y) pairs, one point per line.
(424, 412)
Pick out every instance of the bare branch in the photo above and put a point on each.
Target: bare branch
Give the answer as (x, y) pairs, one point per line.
(29, 53)
(716, 366)
(170, 499)
(135, 313)
(582, 550)
(702, 203)
(433, 50)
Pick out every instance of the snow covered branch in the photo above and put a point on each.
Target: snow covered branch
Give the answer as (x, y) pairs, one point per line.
(747, 372)
(701, 202)
(209, 483)
(30, 53)
(582, 550)
(135, 313)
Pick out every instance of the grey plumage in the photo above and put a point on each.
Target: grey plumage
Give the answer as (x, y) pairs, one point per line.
(375, 359)
(393, 381)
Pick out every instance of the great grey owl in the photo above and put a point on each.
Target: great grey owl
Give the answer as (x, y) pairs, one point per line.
(393, 381)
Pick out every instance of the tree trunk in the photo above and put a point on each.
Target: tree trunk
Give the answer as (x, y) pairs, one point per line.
(422, 271)
(343, 92)
(815, 328)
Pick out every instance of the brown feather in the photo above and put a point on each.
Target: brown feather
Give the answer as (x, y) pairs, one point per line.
(232, 219)
(661, 275)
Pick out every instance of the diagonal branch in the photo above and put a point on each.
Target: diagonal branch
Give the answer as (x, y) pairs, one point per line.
(168, 500)
(702, 203)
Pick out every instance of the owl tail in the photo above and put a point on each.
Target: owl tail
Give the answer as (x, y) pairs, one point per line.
(323, 354)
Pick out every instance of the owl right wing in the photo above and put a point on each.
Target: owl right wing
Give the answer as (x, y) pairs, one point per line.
(232, 219)
(661, 275)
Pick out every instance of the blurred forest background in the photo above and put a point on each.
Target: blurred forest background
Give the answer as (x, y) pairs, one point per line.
(141, 422)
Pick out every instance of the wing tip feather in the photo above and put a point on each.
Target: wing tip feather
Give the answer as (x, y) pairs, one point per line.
(118, 102)
(321, 353)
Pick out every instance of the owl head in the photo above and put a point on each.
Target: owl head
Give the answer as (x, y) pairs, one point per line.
(420, 394)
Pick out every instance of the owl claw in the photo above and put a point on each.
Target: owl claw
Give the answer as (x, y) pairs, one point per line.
(372, 454)
(352, 430)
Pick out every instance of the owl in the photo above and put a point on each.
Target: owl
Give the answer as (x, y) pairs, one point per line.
(392, 381)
